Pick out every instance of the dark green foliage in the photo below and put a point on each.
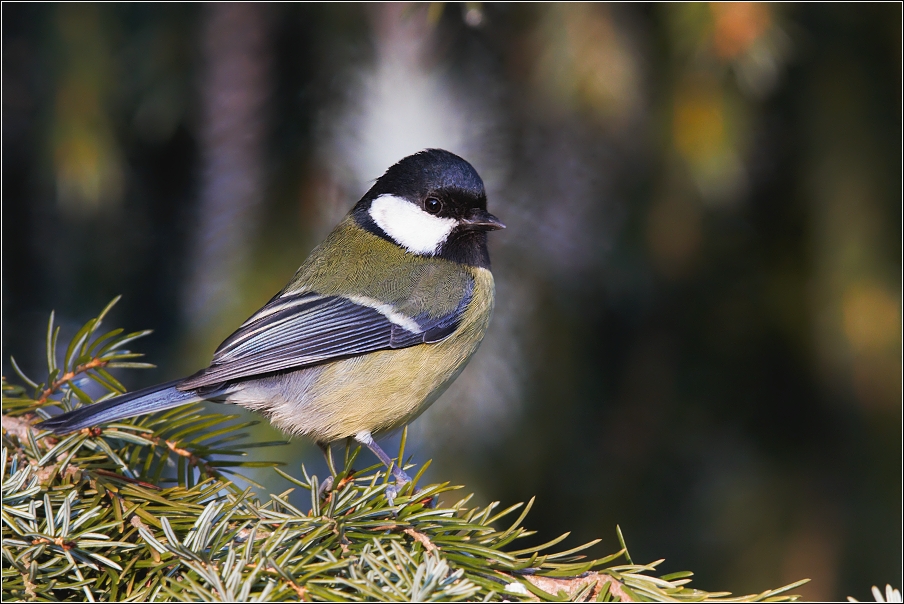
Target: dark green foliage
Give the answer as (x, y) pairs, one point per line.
(88, 516)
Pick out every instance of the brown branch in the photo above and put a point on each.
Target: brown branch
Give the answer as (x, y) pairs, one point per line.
(421, 538)
(299, 589)
(21, 427)
(44, 474)
(29, 586)
(18, 427)
(68, 377)
(66, 545)
(243, 534)
(194, 460)
(572, 586)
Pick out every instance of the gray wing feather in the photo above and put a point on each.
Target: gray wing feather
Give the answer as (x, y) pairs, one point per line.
(298, 331)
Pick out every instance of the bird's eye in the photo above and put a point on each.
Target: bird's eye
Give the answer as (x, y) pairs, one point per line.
(433, 205)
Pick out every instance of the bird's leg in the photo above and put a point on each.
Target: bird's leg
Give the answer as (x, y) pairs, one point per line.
(327, 484)
(401, 478)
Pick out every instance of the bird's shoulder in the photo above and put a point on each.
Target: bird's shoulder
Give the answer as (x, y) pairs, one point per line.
(351, 298)
(353, 262)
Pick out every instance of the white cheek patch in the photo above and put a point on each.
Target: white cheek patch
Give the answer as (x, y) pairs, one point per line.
(410, 226)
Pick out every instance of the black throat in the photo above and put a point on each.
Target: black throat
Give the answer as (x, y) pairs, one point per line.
(466, 246)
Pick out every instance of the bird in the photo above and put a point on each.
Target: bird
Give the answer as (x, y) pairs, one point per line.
(376, 323)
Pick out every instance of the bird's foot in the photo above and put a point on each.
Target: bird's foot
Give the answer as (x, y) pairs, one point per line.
(392, 490)
(325, 486)
(401, 478)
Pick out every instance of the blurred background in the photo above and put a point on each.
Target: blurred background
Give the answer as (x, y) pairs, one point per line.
(698, 326)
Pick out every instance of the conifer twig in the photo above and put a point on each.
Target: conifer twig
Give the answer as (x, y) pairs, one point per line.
(119, 513)
(67, 377)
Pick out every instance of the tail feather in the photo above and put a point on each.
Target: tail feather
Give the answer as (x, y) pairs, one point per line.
(156, 398)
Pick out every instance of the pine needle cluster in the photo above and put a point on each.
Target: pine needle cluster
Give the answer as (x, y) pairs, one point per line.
(146, 510)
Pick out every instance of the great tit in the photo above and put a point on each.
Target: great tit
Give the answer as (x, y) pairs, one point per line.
(373, 327)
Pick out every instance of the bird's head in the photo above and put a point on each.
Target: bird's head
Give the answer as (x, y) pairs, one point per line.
(432, 203)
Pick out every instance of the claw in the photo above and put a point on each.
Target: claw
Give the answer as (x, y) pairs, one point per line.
(325, 486)
(391, 492)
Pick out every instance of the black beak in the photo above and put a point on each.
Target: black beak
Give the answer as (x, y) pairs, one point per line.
(481, 220)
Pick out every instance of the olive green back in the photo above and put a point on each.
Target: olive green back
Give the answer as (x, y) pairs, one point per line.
(353, 262)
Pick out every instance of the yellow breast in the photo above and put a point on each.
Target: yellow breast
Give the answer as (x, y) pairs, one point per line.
(384, 390)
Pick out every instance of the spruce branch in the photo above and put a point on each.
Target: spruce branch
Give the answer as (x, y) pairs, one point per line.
(66, 378)
(143, 510)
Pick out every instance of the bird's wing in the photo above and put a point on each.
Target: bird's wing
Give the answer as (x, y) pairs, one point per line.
(300, 330)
